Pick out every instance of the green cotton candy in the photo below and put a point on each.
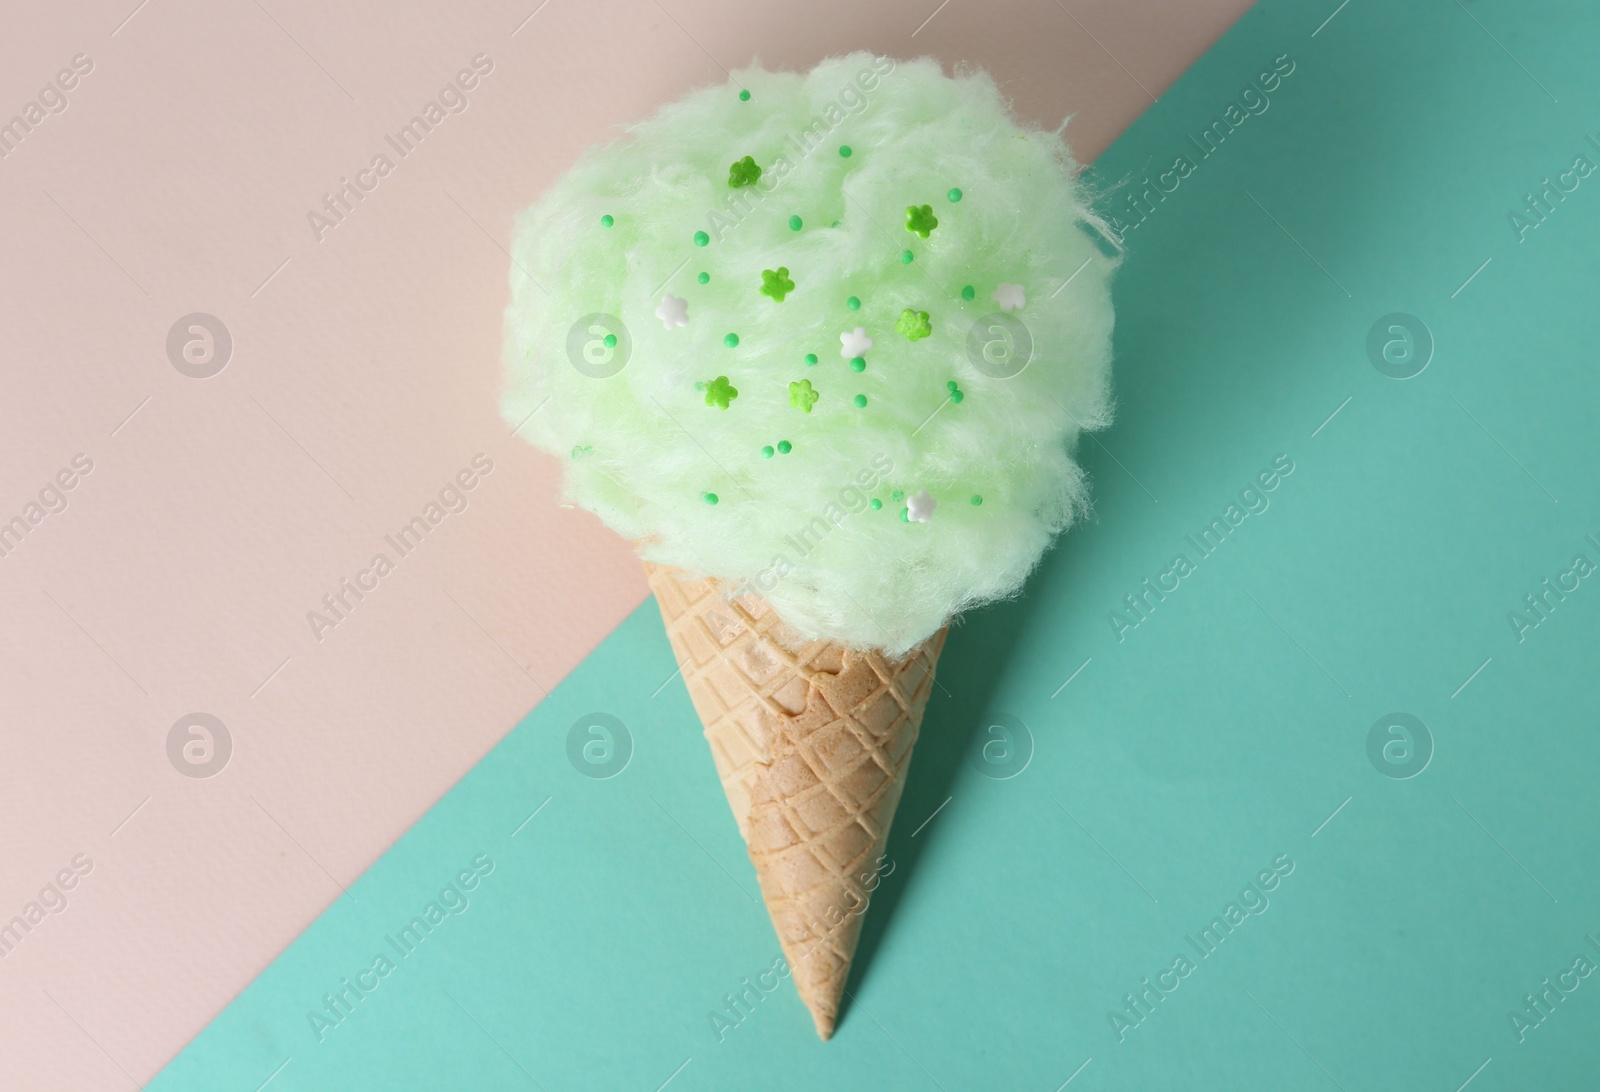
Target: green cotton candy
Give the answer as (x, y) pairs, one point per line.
(836, 533)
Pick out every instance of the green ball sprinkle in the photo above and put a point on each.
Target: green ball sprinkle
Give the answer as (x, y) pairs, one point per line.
(858, 363)
(784, 447)
(905, 257)
(952, 385)
(610, 341)
(874, 504)
(905, 515)
(897, 495)
(976, 500)
(701, 238)
(860, 400)
(967, 292)
(731, 340)
(811, 358)
(795, 222)
(709, 498)
(956, 397)
(845, 150)
(766, 451)
(703, 278)
(854, 303)
(744, 96)
(954, 195)
(607, 220)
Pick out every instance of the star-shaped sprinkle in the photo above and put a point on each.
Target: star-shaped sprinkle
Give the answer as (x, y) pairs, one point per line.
(920, 506)
(854, 342)
(673, 311)
(743, 173)
(801, 396)
(920, 220)
(719, 392)
(776, 283)
(913, 324)
(1010, 297)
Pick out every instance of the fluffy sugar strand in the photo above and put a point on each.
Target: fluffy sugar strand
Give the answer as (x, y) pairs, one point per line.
(632, 272)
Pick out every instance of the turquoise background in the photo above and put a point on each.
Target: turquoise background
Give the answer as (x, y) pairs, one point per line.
(1218, 735)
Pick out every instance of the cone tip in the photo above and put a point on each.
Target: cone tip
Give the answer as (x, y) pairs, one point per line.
(824, 1021)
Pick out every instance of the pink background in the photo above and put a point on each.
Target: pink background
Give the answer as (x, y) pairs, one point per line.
(363, 376)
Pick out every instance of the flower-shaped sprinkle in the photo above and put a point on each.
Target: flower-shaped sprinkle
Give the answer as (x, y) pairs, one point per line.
(920, 507)
(1010, 297)
(743, 173)
(719, 392)
(920, 220)
(854, 342)
(776, 283)
(673, 311)
(913, 324)
(801, 396)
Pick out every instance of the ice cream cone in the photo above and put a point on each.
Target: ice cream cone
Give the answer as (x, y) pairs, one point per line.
(812, 741)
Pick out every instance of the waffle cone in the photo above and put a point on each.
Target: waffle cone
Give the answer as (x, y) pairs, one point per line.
(812, 741)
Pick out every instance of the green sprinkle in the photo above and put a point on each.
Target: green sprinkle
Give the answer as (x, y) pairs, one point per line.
(709, 498)
(967, 292)
(913, 324)
(844, 150)
(836, 223)
(897, 495)
(811, 358)
(854, 303)
(976, 500)
(905, 515)
(860, 400)
(743, 172)
(858, 363)
(905, 257)
(719, 393)
(784, 447)
(610, 341)
(952, 385)
(701, 238)
(703, 278)
(801, 395)
(766, 451)
(776, 283)
(956, 397)
(920, 220)
(744, 96)
(954, 195)
(874, 504)
(730, 340)
(606, 220)
(794, 223)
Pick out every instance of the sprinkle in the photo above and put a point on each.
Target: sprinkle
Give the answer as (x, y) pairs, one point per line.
(794, 223)
(976, 500)
(874, 504)
(744, 96)
(701, 238)
(920, 220)
(776, 283)
(743, 172)
(897, 495)
(905, 514)
(845, 150)
(673, 311)
(703, 278)
(1010, 297)
(952, 385)
(610, 341)
(957, 396)
(709, 498)
(730, 340)
(811, 358)
(858, 364)
(967, 291)
(905, 257)
(854, 303)
(954, 195)
(784, 447)
(801, 395)
(607, 220)
(854, 342)
(860, 400)
(921, 506)
(766, 451)
(719, 393)
(913, 324)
